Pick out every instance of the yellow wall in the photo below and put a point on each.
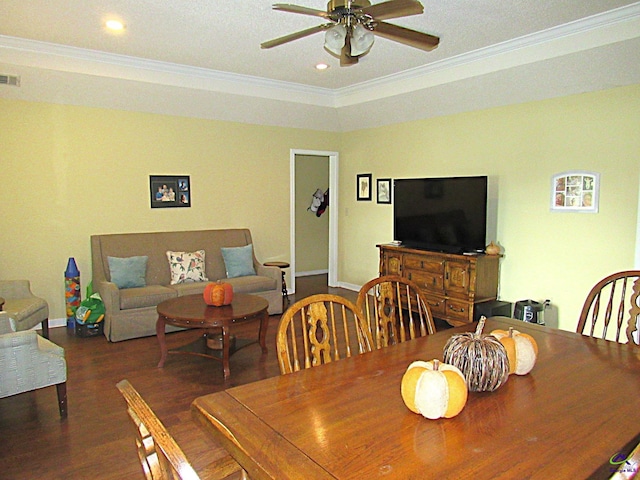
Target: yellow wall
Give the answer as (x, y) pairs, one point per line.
(312, 232)
(556, 256)
(69, 172)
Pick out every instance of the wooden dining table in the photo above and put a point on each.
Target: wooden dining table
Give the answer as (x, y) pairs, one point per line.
(573, 416)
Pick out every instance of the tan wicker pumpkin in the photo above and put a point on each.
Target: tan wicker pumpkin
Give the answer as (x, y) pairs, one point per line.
(482, 359)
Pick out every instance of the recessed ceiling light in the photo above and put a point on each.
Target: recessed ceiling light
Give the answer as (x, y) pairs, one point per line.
(115, 25)
(322, 66)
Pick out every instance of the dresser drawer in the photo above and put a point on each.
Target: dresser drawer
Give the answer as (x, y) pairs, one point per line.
(459, 311)
(427, 281)
(428, 264)
(437, 306)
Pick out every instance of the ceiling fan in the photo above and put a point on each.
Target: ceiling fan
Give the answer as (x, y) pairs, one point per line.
(353, 24)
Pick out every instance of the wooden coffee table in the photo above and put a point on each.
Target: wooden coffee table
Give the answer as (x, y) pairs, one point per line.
(190, 311)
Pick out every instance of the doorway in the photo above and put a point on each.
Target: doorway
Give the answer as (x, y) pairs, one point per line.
(332, 211)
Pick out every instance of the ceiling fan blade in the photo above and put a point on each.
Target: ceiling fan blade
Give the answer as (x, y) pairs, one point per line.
(295, 36)
(394, 9)
(298, 9)
(413, 38)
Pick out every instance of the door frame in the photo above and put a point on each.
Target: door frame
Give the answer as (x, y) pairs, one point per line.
(333, 213)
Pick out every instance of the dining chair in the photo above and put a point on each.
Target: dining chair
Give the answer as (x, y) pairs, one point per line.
(319, 329)
(612, 303)
(395, 309)
(158, 452)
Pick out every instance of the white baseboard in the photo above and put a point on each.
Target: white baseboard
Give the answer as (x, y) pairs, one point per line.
(311, 272)
(56, 322)
(349, 286)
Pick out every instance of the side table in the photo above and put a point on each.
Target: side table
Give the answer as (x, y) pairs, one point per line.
(281, 266)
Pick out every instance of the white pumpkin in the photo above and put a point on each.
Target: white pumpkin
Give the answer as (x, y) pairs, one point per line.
(434, 389)
(522, 350)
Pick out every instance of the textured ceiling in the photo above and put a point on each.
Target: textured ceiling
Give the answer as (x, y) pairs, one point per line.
(517, 51)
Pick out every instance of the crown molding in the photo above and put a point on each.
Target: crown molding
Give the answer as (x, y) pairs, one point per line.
(49, 56)
(591, 32)
(609, 27)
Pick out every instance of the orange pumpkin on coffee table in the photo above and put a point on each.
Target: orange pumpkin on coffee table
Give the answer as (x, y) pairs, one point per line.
(218, 294)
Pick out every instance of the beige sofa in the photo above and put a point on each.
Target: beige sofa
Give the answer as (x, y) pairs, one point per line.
(131, 312)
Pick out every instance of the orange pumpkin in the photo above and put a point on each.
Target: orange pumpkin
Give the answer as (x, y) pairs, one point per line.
(434, 389)
(522, 350)
(218, 294)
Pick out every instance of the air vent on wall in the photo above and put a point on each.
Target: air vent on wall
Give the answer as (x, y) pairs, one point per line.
(12, 80)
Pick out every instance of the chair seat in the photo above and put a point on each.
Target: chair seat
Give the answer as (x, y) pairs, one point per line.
(27, 312)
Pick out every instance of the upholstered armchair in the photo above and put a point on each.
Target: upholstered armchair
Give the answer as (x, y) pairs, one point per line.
(24, 307)
(29, 362)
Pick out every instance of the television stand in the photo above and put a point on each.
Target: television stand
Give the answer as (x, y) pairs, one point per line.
(453, 284)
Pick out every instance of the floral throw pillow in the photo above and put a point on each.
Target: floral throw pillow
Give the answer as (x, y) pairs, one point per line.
(187, 267)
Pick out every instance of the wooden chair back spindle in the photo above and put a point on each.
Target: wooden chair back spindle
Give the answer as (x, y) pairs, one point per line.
(395, 309)
(612, 303)
(320, 329)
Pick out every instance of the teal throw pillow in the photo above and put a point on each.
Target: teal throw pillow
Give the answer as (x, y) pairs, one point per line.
(128, 272)
(238, 261)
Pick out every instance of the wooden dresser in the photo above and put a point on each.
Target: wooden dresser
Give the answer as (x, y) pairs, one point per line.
(452, 284)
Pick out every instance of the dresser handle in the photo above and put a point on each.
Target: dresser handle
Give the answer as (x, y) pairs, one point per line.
(459, 310)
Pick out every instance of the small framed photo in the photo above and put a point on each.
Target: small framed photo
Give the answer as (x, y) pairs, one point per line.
(384, 190)
(575, 191)
(170, 191)
(363, 181)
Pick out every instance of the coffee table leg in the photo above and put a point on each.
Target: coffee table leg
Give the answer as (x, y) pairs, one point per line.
(264, 323)
(226, 351)
(160, 324)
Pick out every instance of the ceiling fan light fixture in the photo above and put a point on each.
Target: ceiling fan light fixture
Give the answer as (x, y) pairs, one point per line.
(361, 40)
(334, 39)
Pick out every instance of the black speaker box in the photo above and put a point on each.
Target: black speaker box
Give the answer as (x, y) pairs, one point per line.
(495, 308)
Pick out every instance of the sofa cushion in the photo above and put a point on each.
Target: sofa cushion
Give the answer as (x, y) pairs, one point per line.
(186, 267)
(128, 272)
(192, 288)
(238, 261)
(252, 284)
(149, 296)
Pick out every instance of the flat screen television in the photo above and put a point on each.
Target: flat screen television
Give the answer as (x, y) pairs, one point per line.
(441, 214)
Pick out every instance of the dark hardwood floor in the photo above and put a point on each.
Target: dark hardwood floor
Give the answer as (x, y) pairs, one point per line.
(96, 441)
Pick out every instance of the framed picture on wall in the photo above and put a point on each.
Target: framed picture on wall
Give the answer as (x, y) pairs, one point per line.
(575, 191)
(363, 185)
(170, 191)
(384, 190)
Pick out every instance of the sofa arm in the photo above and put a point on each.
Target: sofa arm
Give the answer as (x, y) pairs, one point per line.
(271, 272)
(12, 289)
(110, 294)
(17, 339)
